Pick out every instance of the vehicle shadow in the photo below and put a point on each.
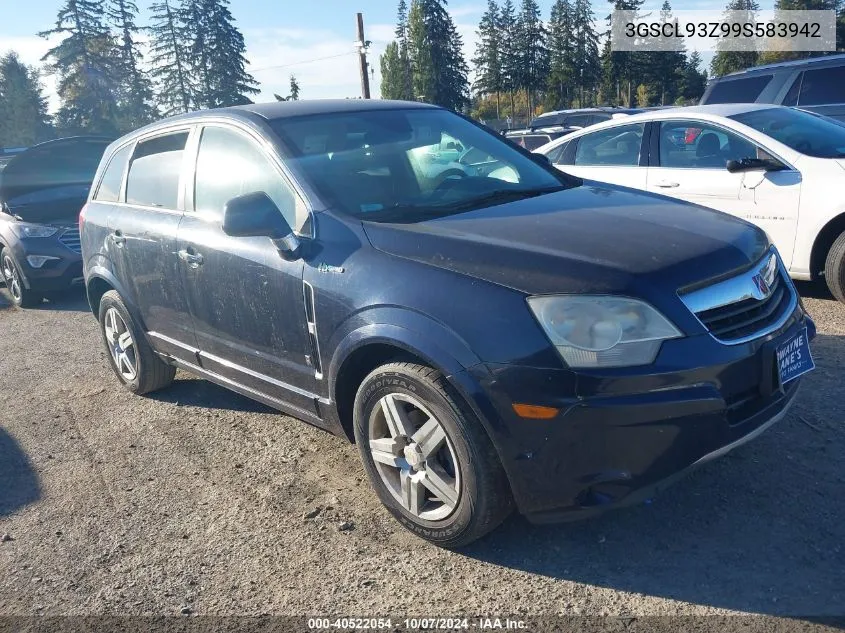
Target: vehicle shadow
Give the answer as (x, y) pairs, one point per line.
(70, 300)
(196, 392)
(761, 530)
(19, 484)
(814, 290)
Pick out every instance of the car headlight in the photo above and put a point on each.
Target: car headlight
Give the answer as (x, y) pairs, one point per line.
(602, 331)
(25, 229)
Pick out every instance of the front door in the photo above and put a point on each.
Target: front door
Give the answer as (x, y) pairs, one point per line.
(143, 242)
(246, 299)
(691, 166)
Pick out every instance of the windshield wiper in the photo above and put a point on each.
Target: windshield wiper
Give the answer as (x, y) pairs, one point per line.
(502, 195)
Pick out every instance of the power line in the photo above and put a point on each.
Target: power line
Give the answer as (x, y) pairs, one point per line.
(306, 61)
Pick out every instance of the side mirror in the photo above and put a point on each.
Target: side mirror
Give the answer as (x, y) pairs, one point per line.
(754, 164)
(256, 215)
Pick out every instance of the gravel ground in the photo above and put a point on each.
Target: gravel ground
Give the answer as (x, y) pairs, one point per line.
(198, 500)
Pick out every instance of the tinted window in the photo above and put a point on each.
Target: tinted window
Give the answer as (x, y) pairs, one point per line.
(554, 155)
(598, 118)
(154, 171)
(578, 120)
(692, 144)
(386, 165)
(739, 90)
(619, 146)
(534, 141)
(109, 189)
(791, 97)
(231, 165)
(804, 132)
(823, 86)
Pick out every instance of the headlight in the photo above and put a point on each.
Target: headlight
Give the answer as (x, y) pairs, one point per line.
(602, 331)
(24, 229)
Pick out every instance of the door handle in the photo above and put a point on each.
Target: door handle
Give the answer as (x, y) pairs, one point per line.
(191, 257)
(665, 184)
(118, 238)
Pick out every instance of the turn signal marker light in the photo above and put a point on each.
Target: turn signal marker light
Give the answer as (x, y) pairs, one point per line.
(534, 412)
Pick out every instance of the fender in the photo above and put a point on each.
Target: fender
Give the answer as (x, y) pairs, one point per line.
(99, 271)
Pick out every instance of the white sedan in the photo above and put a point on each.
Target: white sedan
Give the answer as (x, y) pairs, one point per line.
(781, 168)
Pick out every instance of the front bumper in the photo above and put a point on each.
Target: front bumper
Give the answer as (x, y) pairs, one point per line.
(58, 274)
(622, 435)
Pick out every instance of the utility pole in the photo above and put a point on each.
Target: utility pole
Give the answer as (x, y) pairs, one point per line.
(362, 46)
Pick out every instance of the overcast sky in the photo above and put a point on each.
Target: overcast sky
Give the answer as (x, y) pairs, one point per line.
(285, 37)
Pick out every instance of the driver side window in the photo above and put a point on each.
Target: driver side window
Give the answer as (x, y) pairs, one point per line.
(231, 165)
(697, 145)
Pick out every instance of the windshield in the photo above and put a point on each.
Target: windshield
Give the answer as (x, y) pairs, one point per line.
(804, 132)
(409, 165)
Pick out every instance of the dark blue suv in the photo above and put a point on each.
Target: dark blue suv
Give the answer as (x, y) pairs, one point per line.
(507, 335)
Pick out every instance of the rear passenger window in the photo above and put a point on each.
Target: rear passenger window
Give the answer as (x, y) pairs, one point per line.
(617, 146)
(791, 98)
(154, 171)
(109, 189)
(578, 120)
(823, 86)
(739, 90)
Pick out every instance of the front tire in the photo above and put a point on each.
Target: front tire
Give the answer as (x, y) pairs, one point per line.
(21, 296)
(834, 268)
(427, 456)
(134, 362)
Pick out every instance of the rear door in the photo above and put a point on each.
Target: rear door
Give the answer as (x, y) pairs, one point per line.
(688, 162)
(614, 155)
(142, 239)
(247, 301)
(823, 91)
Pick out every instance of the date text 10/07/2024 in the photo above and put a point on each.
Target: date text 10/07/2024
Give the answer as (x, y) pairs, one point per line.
(430, 624)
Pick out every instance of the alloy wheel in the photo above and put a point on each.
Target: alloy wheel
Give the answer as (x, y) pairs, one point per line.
(121, 345)
(13, 278)
(414, 457)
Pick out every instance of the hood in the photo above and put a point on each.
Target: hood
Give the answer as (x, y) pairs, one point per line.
(592, 238)
(48, 173)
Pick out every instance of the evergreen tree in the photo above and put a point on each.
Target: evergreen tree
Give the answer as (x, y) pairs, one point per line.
(23, 108)
(510, 50)
(294, 88)
(134, 88)
(392, 77)
(694, 80)
(586, 54)
(217, 55)
(533, 54)
(488, 55)
(83, 62)
(665, 69)
(609, 84)
(170, 68)
(772, 57)
(725, 62)
(560, 86)
(407, 92)
(625, 66)
(439, 69)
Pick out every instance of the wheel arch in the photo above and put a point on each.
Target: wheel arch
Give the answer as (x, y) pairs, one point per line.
(824, 240)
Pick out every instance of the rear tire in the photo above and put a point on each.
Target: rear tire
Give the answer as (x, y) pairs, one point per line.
(428, 457)
(834, 268)
(134, 362)
(21, 296)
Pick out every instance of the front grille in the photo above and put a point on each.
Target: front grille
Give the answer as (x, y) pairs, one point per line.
(70, 238)
(747, 306)
(745, 318)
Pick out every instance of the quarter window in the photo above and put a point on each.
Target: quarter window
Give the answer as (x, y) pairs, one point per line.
(154, 171)
(109, 189)
(739, 90)
(616, 146)
(230, 165)
(694, 145)
(823, 86)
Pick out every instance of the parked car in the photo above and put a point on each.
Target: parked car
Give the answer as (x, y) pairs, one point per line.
(816, 84)
(513, 337)
(553, 125)
(7, 153)
(780, 168)
(42, 191)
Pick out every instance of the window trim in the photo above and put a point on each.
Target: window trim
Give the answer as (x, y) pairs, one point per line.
(265, 149)
(641, 154)
(656, 148)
